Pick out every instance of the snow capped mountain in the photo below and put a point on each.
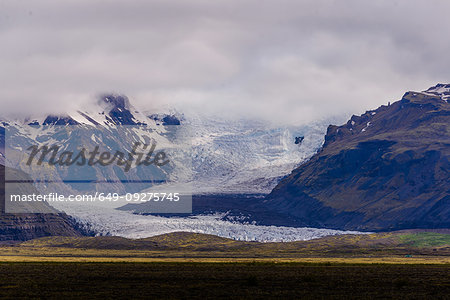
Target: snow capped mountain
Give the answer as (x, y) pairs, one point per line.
(238, 156)
(441, 90)
(108, 110)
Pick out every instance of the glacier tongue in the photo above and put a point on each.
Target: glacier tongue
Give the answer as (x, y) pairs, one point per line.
(108, 221)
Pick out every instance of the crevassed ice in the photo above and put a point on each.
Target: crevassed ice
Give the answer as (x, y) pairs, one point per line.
(108, 221)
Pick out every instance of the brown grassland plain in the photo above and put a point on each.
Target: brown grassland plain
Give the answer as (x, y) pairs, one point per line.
(407, 265)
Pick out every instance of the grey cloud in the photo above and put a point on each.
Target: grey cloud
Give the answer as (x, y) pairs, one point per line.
(292, 61)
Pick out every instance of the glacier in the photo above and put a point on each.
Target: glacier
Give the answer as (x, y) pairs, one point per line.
(240, 156)
(104, 219)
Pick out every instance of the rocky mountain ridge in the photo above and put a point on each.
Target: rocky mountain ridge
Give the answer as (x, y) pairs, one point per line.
(386, 169)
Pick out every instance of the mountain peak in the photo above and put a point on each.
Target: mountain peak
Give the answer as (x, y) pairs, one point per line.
(115, 101)
(118, 109)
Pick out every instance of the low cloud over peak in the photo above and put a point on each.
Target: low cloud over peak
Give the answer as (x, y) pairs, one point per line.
(291, 61)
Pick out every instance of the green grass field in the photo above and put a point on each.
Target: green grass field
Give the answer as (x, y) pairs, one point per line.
(425, 239)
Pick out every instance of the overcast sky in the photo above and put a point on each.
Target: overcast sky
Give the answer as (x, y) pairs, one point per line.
(289, 61)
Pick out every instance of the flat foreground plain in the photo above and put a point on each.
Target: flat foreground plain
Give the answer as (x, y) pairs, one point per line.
(396, 248)
(406, 265)
(223, 280)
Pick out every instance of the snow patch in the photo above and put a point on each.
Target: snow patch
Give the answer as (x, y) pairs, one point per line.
(365, 128)
(441, 90)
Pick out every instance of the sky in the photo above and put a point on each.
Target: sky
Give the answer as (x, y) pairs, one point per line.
(286, 61)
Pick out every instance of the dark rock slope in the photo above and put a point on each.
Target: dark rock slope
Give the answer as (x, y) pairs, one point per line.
(22, 227)
(26, 226)
(386, 169)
